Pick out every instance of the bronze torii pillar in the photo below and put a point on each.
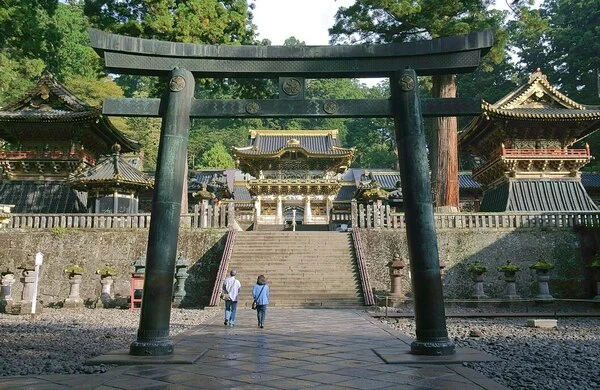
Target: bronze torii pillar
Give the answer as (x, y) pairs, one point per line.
(447, 55)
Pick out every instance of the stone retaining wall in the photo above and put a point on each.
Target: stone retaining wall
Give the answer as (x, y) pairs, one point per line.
(91, 249)
(458, 248)
(203, 248)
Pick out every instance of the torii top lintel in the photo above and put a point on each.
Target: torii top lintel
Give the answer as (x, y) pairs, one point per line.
(128, 55)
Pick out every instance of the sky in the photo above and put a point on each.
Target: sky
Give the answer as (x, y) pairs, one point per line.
(307, 20)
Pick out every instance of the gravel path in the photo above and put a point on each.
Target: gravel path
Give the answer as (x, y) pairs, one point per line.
(562, 358)
(60, 341)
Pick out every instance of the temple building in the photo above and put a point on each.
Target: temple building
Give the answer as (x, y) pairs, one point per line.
(50, 134)
(525, 144)
(293, 176)
(113, 185)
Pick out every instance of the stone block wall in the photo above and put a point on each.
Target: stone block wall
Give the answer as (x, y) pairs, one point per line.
(459, 248)
(203, 248)
(91, 249)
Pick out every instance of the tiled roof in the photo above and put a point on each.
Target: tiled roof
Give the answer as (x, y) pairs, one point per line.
(346, 193)
(46, 197)
(49, 94)
(49, 104)
(111, 170)
(270, 142)
(241, 194)
(538, 195)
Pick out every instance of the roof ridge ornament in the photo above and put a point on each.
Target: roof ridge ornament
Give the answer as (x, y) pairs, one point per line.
(537, 75)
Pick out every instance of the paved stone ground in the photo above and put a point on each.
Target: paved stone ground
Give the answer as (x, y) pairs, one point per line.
(298, 348)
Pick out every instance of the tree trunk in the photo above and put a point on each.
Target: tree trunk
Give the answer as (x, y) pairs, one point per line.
(445, 150)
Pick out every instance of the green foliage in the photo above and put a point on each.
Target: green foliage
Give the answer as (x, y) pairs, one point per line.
(542, 265)
(509, 267)
(74, 269)
(107, 270)
(595, 261)
(59, 231)
(477, 268)
(216, 157)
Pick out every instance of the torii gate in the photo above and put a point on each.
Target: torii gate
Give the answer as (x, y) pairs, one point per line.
(401, 62)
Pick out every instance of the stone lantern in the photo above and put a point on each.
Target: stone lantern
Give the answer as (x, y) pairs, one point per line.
(6, 300)
(139, 267)
(180, 276)
(396, 266)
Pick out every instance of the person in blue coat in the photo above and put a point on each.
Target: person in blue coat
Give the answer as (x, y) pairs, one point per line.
(260, 294)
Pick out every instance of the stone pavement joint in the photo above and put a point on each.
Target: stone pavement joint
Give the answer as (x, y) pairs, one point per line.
(298, 348)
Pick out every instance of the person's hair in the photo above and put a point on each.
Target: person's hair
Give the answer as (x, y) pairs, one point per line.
(261, 279)
(233, 272)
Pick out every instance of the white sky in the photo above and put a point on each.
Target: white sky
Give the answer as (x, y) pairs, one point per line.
(307, 20)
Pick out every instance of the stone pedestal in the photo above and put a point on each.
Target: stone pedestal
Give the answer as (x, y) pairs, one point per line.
(179, 293)
(543, 289)
(396, 266)
(74, 300)
(24, 306)
(105, 296)
(510, 292)
(478, 292)
(6, 300)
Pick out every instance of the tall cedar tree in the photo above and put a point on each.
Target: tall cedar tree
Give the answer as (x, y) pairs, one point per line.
(385, 21)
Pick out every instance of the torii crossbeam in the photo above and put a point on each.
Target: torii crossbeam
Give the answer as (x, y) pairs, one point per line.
(401, 62)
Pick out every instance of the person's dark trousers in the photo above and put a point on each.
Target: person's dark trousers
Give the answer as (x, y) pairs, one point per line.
(261, 313)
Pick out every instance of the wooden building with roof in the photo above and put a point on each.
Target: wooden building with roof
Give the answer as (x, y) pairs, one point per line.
(293, 174)
(525, 142)
(50, 134)
(113, 185)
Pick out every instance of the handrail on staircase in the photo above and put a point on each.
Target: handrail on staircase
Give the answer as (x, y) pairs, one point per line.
(214, 298)
(362, 269)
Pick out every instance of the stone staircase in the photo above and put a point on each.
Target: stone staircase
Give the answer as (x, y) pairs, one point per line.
(303, 269)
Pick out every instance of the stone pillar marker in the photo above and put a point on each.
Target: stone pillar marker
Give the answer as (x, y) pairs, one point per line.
(6, 299)
(153, 332)
(396, 266)
(430, 317)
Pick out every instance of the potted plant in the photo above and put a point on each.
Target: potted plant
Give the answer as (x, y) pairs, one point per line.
(509, 269)
(107, 270)
(73, 270)
(477, 270)
(74, 300)
(542, 266)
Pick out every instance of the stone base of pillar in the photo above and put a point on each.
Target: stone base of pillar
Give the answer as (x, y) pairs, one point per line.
(24, 308)
(72, 303)
(442, 347)
(151, 348)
